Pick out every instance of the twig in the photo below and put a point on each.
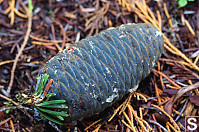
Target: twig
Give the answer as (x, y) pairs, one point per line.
(162, 74)
(63, 33)
(115, 112)
(16, 107)
(179, 53)
(13, 10)
(125, 103)
(8, 99)
(189, 27)
(92, 124)
(29, 13)
(164, 112)
(6, 62)
(54, 126)
(168, 128)
(168, 16)
(128, 126)
(158, 124)
(43, 43)
(183, 90)
(196, 60)
(138, 95)
(12, 125)
(98, 127)
(172, 127)
(54, 38)
(129, 121)
(140, 121)
(183, 108)
(157, 92)
(46, 41)
(159, 19)
(4, 121)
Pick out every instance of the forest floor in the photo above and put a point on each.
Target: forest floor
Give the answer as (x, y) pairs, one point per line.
(30, 34)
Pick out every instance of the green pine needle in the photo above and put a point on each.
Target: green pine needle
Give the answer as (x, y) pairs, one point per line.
(30, 6)
(42, 83)
(57, 106)
(50, 119)
(53, 112)
(51, 102)
(50, 95)
(44, 106)
(60, 117)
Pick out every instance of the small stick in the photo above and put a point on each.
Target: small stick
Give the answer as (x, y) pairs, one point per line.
(164, 112)
(42, 43)
(63, 33)
(157, 93)
(168, 16)
(189, 27)
(129, 121)
(98, 127)
(140, 95)
(16, 107)
(12, 125)
(140, 121)
(20, 51)
(128, 125)
(158, 124)
(196, 60)
(172, 82)
(183, 108)
(153, 16)
(125, 103)
(171, 50)
(7, 61)
(168, 128)
(179, 53)
(53, 33)
(159, 19)
(92, 124)
(4, 121)
(115, 112)
(8, 99)
(172, 87)
(44, 40)
(172, 127)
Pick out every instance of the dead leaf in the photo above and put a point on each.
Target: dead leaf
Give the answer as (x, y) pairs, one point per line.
(194, 99)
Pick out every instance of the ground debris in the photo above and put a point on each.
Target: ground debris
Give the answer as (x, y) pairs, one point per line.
(29, 39)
